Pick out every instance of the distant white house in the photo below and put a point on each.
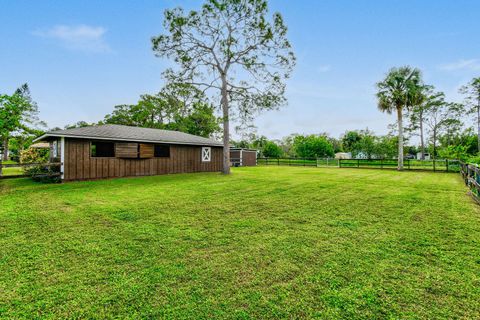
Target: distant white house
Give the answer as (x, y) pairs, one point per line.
(361, 155)
(426, 155)
(343, 155)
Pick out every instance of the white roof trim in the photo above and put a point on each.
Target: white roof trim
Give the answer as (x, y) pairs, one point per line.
(243, 149)
(123, 139)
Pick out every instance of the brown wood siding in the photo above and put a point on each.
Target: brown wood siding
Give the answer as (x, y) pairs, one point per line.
(80, 165)
(235, 155)
(146, 151)
(249, 158)
(126, 150)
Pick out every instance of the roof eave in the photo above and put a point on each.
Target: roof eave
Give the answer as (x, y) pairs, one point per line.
(47, 135)
(244, 149)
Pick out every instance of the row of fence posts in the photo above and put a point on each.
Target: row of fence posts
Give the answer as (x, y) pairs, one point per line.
(289, 161)
(358, 163)
(382, 163)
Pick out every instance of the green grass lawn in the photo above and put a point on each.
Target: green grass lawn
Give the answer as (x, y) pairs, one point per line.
(265, 242)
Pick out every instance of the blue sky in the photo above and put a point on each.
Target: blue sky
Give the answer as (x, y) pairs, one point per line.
(81, 58)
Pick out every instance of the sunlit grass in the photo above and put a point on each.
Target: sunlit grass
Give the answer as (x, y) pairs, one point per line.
(265, 242)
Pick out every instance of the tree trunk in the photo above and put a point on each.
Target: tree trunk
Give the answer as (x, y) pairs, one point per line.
(5, 149)
(226, 129)
(422, 143)
(400, 138)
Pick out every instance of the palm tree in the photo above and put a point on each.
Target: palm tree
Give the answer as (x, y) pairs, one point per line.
(472, 101)
(397, 92)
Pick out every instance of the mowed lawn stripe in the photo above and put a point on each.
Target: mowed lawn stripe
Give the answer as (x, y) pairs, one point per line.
(265, 242)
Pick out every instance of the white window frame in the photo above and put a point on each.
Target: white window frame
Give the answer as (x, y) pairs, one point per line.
(206, 154)
(54, 149)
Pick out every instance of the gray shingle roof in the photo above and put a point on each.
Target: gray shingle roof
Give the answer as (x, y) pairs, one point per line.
(136, 134)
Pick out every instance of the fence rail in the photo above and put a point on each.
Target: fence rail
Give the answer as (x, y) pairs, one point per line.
(16, 170)
(471, 175)
(427, 165)
(304, 162)
(440, 165)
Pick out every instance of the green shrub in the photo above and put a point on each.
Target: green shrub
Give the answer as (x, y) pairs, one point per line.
(44, 173)
(32, 155)
(454, 152)
(313, 146)
(272, 150)
(41, 172)
(475, 160)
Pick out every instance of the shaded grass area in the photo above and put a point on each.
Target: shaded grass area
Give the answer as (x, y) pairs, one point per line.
(11, 171)
(265, 242)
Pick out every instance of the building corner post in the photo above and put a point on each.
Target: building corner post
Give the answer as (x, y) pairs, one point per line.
(62, 158)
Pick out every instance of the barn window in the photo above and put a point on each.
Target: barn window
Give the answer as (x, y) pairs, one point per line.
(103, 149)
(162, 151)
(206, 154)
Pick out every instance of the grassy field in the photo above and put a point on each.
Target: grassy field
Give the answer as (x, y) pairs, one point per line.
(265, 242)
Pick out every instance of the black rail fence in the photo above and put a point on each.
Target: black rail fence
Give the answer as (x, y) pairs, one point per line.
(471, 175)
(440, 165)
(302, 162)
(437, 165)
(20, 170)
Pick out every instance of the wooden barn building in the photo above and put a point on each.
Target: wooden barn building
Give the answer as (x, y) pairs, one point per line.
(241, 157)
(109, 151)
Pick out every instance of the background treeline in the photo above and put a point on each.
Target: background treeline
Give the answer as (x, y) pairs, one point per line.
(176, 107)
(361, 144)
(431, 125)
(442, 128)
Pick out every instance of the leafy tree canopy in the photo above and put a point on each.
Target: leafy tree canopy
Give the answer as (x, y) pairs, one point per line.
(272, 150)
(78, 124)
(176, 107)
(313, 146)
(233, 50)
(472, 102)
(18, 115)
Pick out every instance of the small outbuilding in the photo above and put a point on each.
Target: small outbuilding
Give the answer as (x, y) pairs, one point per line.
(110, 151)
(343, 155)
(426, 156)
(242, 157)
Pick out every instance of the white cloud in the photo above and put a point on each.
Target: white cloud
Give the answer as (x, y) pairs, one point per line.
(82, 37)
(324, 68)
(469, 64)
